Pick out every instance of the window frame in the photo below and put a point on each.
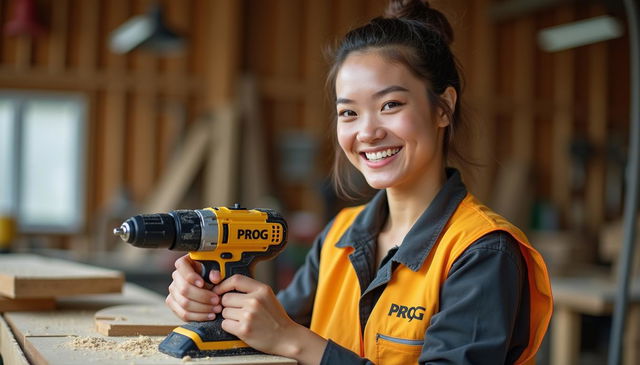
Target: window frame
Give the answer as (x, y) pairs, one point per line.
(20, 99)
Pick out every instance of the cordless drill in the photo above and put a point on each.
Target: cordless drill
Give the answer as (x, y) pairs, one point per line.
(227, 239)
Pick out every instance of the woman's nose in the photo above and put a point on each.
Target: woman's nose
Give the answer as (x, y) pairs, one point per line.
(370, 130)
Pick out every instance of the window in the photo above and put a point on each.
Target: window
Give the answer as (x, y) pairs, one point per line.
(42, 160)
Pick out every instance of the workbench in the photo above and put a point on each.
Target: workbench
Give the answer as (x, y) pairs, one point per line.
(46, 337)
(592, 295)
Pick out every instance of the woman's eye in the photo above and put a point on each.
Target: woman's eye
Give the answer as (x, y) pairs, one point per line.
(391, 104)
(346, 113)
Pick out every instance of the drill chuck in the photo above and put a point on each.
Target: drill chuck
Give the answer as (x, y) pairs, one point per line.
(179, 230)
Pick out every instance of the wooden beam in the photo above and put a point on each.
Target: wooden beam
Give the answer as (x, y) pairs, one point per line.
(42, 79)
(506, 10)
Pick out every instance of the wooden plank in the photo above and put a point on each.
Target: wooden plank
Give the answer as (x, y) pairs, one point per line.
(31, 276)
(26, 304)
(75, 314)
(134, 320)
(48, 337)
(10, 350)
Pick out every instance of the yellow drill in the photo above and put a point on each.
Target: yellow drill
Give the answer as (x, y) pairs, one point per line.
(228, 239)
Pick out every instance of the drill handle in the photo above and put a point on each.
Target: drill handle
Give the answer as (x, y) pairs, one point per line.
(208, 266)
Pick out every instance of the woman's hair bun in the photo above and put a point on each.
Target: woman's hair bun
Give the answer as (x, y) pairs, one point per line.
(420, 10)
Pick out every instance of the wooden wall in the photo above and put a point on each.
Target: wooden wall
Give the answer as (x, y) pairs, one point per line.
(525, 105)
(140, 102)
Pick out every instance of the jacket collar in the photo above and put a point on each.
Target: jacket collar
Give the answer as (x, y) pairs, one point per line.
(425, 232)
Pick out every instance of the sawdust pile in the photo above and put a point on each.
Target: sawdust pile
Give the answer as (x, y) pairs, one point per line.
(141, 346)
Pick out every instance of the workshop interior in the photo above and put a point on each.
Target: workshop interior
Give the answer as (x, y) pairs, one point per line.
(130, 130)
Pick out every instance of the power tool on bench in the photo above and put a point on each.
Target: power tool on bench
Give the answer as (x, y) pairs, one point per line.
(228, 239)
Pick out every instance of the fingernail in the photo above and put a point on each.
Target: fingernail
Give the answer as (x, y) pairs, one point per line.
(199, 282)
(211, 315)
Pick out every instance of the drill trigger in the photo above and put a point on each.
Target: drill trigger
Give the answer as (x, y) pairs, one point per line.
(207, 267)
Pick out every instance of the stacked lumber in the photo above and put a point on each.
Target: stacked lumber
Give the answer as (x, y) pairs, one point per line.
(31, 282)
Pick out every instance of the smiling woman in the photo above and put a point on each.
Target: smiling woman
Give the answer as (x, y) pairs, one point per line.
(423, 273)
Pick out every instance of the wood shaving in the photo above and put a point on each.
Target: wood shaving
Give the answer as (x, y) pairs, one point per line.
(141, 346)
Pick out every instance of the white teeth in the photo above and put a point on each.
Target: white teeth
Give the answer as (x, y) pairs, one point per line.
(375, 156)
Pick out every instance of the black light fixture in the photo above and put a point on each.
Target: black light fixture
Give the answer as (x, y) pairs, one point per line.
(147, 31)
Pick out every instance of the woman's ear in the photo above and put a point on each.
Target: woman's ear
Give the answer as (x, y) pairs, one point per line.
(450, 97)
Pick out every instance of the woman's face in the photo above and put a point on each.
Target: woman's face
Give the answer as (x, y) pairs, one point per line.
(386, 125)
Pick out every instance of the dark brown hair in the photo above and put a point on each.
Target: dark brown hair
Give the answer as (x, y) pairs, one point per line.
(415, 35)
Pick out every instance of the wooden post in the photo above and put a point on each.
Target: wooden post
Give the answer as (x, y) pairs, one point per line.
(482, 88)
(597, 132)
(223, 48)
(565, 336)
(58, 36)
(562, 121)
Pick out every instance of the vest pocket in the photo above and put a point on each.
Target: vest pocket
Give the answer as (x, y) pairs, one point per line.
(394, 350)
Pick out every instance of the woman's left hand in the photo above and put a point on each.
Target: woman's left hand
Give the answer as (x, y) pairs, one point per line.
(254, 314)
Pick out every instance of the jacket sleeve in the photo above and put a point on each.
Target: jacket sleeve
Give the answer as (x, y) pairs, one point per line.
(484, 307)
(297, 298)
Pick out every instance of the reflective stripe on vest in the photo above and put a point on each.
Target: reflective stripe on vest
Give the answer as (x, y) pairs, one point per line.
(395, 330)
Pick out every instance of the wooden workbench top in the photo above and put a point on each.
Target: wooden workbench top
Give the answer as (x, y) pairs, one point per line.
(68, 336)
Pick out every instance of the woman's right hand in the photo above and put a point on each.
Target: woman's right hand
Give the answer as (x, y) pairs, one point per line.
(190, 298)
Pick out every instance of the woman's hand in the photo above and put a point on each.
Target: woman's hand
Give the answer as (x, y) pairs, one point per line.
(189, 297)
(255, 315)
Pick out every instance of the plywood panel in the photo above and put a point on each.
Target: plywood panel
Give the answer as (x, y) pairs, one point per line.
(30, 276)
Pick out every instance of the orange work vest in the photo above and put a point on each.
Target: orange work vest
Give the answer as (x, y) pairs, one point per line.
(391, 337)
